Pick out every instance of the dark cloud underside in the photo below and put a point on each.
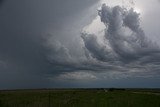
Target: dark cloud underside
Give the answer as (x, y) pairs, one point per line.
(41, 45)
(23, 26)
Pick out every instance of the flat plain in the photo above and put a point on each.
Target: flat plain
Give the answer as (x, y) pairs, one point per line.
(80, 98)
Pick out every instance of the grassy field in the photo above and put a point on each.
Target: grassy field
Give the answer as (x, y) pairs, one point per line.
(80, 98)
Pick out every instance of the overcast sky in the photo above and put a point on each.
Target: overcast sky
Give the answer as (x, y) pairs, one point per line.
(79, 43)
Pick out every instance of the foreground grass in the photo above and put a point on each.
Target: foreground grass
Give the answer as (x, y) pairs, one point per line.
(78, 98)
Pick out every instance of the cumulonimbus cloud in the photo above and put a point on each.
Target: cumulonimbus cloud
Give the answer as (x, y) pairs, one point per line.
(125, 37)
(124, 48)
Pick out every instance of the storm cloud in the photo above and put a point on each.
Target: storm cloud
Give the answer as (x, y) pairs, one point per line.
(59, 43)
(25, 50)
(125, 47)
(121, 50)
(124, 36)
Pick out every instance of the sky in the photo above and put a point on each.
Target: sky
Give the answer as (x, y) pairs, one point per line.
(79, 44)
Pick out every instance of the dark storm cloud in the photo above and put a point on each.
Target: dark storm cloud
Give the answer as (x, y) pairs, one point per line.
(1, 1)
(31, 55)
(57, 53)
(23, 25)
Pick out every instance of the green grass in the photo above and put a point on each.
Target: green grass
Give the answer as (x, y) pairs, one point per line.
(78, 98)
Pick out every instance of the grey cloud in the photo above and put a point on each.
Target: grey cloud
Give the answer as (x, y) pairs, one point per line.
(125, 36)
(96, 50)
(28, 57)
(23, 34)
(1, 1)
(130, 52)
(125, 50)
(58, 52)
